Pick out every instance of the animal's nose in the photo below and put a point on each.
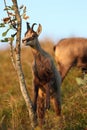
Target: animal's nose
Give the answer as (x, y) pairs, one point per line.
(23, 41)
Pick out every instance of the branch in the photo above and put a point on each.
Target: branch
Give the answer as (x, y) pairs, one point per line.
(10, 17)
(18, 17)
(19, 69)
(12, 55)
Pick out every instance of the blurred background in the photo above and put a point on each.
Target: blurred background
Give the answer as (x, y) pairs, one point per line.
(59, 18)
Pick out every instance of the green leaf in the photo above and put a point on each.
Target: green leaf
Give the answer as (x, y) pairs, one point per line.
(12, 7)
(2, 25)
(85, 77)
(10, 27)
(11, 39)
(21, 7)
(24, 10)
(80, 81)
(7, 39)
(8, 8)
(5, 33)
(4, 40)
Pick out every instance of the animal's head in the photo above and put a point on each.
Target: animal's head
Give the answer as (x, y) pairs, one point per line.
(31, 35)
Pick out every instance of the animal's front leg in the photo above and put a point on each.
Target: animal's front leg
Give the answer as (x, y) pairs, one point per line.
(35, 95)
(47, 88)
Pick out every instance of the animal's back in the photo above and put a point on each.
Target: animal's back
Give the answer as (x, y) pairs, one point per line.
(71, 47)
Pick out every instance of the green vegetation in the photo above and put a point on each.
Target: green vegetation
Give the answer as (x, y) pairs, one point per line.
(13, 111)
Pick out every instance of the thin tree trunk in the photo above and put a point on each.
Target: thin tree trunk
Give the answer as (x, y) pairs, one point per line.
(19, 69)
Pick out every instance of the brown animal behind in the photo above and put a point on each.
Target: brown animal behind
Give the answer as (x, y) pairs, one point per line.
(71, 52)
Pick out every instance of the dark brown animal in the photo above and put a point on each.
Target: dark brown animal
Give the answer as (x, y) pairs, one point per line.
(47, 79)
(71, 52)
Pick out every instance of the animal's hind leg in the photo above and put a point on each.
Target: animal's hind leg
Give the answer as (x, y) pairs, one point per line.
(57, 105)
(41, 107)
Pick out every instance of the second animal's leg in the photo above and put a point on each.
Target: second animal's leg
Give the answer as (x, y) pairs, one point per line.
(64, 69)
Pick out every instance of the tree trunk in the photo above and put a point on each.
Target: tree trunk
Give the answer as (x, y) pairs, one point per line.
(19, 69)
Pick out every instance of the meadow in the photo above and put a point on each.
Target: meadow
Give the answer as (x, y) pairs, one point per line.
(13, 111)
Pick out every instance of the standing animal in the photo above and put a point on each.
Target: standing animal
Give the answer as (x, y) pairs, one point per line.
(47, 80)
(71, 52)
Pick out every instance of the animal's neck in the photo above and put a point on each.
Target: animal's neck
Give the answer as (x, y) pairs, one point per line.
(37, 48)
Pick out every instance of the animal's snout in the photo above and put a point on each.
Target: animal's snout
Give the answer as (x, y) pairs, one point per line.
(25, 40)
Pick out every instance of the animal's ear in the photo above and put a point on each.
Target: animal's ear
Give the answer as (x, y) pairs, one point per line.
(28, 26)
(39, 30)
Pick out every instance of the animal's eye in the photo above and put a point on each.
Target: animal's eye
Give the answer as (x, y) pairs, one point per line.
(34, 36)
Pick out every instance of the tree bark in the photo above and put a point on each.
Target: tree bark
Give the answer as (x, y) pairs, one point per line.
(23, 88)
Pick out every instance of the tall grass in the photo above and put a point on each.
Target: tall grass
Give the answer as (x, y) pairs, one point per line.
(13, 111)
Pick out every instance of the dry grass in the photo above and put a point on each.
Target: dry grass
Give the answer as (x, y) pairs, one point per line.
(13, 111)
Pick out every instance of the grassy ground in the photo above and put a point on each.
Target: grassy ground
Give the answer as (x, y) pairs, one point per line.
(13, 111)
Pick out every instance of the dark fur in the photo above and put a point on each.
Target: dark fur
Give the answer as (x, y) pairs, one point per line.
(46, 79)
